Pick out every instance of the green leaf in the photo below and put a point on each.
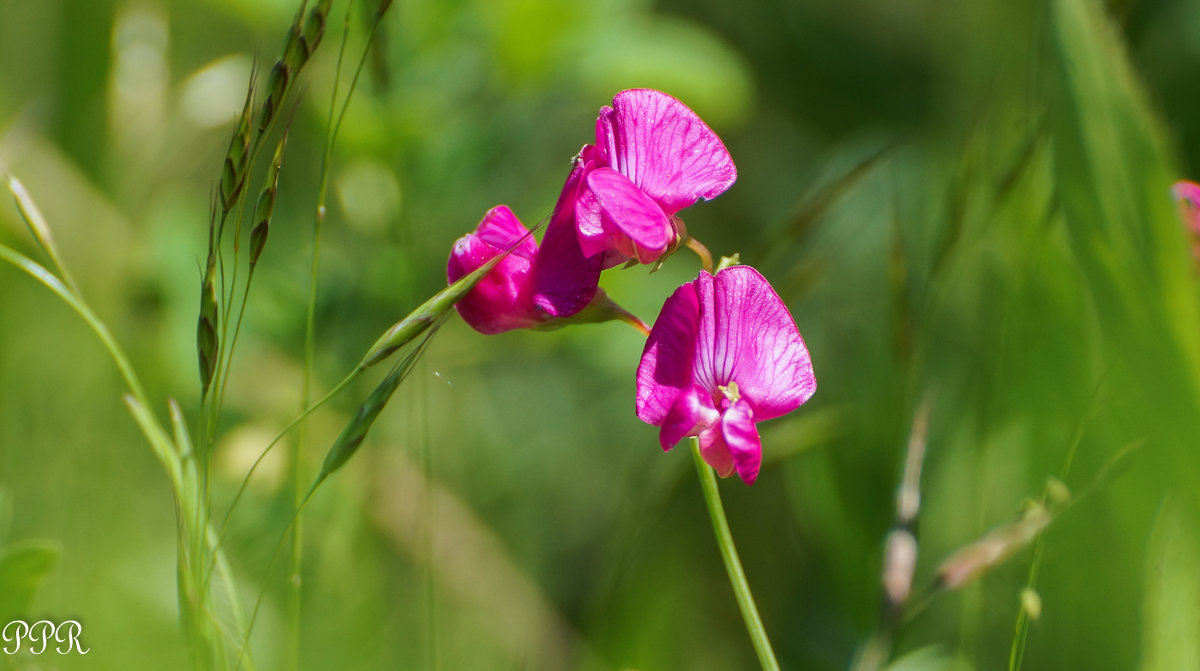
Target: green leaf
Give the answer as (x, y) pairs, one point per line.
(23, 565)
(1113, 175)
(1171, 614)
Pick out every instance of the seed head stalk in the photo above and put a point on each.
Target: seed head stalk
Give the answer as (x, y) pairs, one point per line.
(333, 126)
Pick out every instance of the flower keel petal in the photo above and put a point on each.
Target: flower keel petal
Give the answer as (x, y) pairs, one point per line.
(501, 301)
(630, 221)
(742, 441)
(692, 412)
(715, 452)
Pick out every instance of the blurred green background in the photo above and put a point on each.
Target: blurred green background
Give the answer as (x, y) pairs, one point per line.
(962, 201)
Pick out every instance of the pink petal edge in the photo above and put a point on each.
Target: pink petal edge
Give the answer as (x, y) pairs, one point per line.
(665, 370)
(665, 149)
(614, 213)
(753, 340)
(741, 438)
(692, 412)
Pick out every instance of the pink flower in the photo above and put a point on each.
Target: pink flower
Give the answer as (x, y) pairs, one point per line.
(529, 287)
(723, 355)
(565, 279)
(1188, 196)
(503, 300)
(653, 157)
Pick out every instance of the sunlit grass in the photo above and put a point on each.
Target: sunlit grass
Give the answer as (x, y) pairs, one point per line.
(984, 221)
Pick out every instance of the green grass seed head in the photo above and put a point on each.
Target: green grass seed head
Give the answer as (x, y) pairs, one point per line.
(314, 26)
(206, 332)
(277, 84)
(355, 431)
(302, 39)
(266, 205)
(233, 172)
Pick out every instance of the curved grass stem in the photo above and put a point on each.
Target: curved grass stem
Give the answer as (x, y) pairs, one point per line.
(297, 526)
(168, 450)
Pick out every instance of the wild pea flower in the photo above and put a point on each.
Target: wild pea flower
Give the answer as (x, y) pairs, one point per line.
(652, 158)
(1187, 194)
(534, 285)
(723, 355)
(503, 300)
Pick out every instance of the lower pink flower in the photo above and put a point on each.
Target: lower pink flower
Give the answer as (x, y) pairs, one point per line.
(723, 355)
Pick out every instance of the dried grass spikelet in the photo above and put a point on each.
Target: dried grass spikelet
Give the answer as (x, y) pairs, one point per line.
(994, 548)
(35, 221)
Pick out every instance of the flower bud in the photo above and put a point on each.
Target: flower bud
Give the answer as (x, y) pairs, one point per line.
(503, 300)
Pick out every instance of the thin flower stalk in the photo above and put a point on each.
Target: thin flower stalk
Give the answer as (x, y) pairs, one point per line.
(313, 29)
(733, 564)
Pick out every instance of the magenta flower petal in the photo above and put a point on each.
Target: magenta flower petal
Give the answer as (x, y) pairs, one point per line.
(665, 371)
(715, 452)
(1188, 196)
(748, 336)
(596, 240)
(501, 301)
(664, 148)
(612, 213)
(652, 157)
(741, 439)
(692, 412)
(564, 280)
(723, 355)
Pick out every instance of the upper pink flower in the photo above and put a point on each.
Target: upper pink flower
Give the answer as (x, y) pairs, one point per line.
(653, 157)
(531, 285)
(723, 355)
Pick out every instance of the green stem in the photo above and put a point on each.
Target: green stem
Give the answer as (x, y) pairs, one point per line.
(733, 565)
(237, 497)
(706, 259)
